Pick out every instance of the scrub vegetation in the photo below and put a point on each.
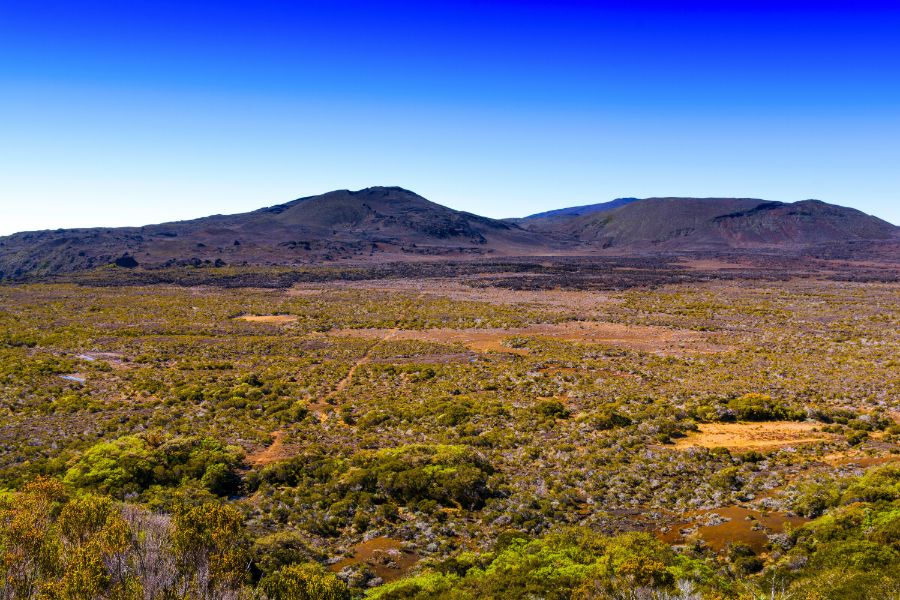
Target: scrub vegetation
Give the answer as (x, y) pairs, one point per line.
(736, 438)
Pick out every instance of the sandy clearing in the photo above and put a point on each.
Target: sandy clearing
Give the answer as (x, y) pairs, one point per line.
(754, 436)
(636, 337)
(277, 319)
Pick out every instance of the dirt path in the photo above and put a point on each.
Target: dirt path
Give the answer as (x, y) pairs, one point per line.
(343, 383)
(277, 450)
(322, 405)
(270, 454)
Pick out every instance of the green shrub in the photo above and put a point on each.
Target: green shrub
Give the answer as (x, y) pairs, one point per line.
(303, 582)
(131, 464)
(759, 407)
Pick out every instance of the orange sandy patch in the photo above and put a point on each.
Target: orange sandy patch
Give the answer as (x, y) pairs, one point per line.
(637, 337)
(278, 319)
(754, 436)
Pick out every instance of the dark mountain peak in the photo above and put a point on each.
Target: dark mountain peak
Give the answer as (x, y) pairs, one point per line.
(384, 193)
(341, 224)
(378, 191)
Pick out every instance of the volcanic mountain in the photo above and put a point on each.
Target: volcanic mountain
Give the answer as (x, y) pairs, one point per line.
(691, 224)
(336, 225)
(391, 223)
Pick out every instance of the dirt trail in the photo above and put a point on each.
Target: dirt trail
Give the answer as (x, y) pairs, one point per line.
(343, 383)
(277, 450)
(270, 454)
(320, 407)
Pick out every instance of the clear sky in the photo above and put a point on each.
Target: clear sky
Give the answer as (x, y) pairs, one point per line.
(130, 112)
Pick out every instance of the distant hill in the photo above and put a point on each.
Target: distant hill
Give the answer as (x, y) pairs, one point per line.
(577, 211)
(545, 220)
(718, 223)
(336, 225)
(391, 223)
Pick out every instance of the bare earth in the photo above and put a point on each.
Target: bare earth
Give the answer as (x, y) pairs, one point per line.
(274, 452)
(384, 556)
(636, 337)
(277, 319)
(753, 436)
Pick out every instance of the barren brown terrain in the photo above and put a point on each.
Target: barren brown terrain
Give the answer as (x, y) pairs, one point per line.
(752, 436)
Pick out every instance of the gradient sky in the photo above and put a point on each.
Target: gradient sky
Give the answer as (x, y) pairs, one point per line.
(134, 112)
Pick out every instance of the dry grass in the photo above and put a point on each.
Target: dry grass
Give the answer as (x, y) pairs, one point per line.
(753, 436)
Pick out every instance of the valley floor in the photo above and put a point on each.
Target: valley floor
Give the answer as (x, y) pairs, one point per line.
(407, 434)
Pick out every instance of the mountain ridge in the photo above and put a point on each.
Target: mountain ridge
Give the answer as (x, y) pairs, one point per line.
(678, 223)
(395, 223)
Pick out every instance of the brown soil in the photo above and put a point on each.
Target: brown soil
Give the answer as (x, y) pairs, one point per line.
(274, 452)
(754, 436)
(636, 337)
(277, 319)
(383, 556)
(742, 525)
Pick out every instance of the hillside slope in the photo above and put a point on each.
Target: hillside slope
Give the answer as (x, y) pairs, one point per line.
(718, 223)
(335, 225)
(550, 218)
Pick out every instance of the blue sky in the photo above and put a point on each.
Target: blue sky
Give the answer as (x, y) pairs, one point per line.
(133, 112)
